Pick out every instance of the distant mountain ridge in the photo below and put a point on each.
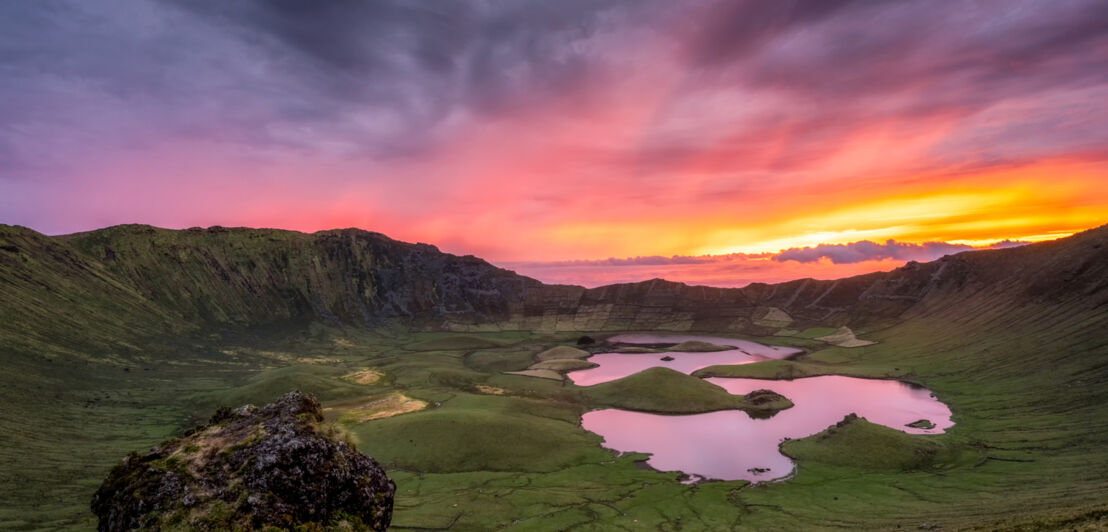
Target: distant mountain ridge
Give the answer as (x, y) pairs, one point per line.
(133, 281)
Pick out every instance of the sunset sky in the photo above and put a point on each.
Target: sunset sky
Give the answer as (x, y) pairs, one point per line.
(691, 140)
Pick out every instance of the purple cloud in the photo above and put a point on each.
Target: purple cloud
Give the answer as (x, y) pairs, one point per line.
(741, 269)
(743, 95)
(850, 253)
(867, 250)
(653, 260)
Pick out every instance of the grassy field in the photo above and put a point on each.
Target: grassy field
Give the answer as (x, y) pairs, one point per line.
(1029, 449)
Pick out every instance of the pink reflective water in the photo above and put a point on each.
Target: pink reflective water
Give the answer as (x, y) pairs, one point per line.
(729, 445)
(752, 348)
(618, 365)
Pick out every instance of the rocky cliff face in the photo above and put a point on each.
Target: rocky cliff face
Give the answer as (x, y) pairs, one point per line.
(253, 276)
(248, 469)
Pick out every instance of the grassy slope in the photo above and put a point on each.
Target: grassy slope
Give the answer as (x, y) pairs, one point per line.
(859, 444)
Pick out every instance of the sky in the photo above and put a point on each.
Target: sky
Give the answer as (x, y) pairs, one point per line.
(705, 141)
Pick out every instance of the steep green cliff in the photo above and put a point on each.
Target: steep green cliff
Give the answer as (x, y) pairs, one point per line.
(128, 282)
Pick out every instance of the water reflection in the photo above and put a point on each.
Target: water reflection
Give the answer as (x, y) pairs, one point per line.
(618, 365)
(730, 445)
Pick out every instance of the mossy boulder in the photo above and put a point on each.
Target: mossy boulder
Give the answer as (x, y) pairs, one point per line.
(249, 468)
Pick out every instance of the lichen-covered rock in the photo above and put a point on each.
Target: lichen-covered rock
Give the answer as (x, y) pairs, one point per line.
(250, 468)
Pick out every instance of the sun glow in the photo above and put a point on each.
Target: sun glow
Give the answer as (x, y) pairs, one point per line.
(881, 219)
(1003, 205)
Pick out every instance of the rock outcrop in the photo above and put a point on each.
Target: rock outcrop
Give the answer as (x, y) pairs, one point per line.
(764, 404)
(250, 468)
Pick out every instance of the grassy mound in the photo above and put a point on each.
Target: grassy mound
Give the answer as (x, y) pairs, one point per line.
(324, 382)
(794, 369)
(666, 391)
(637, 350)
(498, 360)
(555, 362)
(816, 332)
(694, 346)
(448, 342)
(844, 337)
(363, 409)
(769, 369)
(481, 433)
(538, 373)
(364, 376)
(565, 364)
(855, 442)
(562, 352)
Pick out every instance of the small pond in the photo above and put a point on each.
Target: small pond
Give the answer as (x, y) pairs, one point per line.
(618, 365)
(730, 445)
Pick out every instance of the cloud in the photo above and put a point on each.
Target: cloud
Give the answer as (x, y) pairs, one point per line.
(411, 66)
(548, 130)
(392, 78)
(851, 253)
(733, 30)
(740, 269)
(379, 79)
(1004, 244)
(866, 251)
(653, 260)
